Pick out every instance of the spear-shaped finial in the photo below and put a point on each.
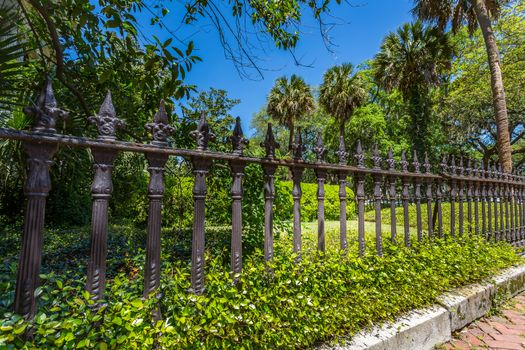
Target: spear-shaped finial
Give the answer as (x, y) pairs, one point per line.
(45, 113)
(376, 158)
(160, 129)
(341, 153)
(443, 165)
(106, 120)
(359, 156)
(469, 167)
(203, 134)
(427, 165)
(269, 143)
(453, 166)
(320, 150)
(403, 162)
(297, 145)
(390, 160)
(415, 163)
(239, 142)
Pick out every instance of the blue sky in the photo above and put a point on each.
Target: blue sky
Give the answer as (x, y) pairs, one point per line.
(357, 38)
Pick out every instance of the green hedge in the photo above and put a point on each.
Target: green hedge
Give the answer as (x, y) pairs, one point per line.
(284, 201)
(297, 306)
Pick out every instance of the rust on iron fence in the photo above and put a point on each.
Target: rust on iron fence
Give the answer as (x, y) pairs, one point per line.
(495, 201)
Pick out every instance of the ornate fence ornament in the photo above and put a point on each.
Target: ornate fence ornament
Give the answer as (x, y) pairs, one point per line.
(106, 120)
(494, 200)
(239, 142)
(202, 134)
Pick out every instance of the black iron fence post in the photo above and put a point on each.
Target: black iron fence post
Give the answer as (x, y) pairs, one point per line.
(392, 195)
(270, 145)
(378, 195)
(343, 158)
(36, 188)
(201, 167)
(320, 151)
(160, 130)
(101, 191)
(239, 142)
(297, 175)
(360, 195)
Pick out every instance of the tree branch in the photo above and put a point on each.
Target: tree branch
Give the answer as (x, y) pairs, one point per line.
(57, 47)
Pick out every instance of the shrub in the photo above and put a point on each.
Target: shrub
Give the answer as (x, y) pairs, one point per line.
(296, 306)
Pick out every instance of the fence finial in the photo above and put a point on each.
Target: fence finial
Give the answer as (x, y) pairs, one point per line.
(452, 168)
(359, 156)
(106, 120)
(239, 142)
(376, 158)
(297, 145)
(415, 163)
(341, 153)
(160, 129)
(320, 150)
(461, 168)
(46, 113)
(427, 165)
(443, 165)
(469, 167)
(482, 171)
(203, 134)
(390, 160)
(269, 143)
(403, 162)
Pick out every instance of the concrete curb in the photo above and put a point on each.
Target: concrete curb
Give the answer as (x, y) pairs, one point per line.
(426, 328)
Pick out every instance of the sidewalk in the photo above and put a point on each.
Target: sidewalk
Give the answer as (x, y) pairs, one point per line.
(504, 331)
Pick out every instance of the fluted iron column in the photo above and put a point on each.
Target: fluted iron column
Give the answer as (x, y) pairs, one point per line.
(239, 142)
(360, 195)
(155, 193)
(453, 196)
(237, 192)
(470, 194)
(101, 190)
(201, 165)
(490, 189)
(342, 212)
(36, 189)
(160, 130)
(406, 197)
(392, 196)
(428, 170)
(320, 151)
(200, 170)
(297, 175)
(417, 197)
(270, 145)
(461, 198)
(321, 178)
(378, 196)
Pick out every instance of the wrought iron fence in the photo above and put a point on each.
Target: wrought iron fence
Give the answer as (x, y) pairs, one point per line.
(489, 195)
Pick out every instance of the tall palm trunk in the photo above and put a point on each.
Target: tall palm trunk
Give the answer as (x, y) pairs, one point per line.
(498, 92)
(290, 137)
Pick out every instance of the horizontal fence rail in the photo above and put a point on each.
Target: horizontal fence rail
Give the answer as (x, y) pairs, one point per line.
(485, 201)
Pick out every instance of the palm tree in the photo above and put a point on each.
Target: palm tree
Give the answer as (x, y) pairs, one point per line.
(288, 101)
(474, 13)
(11, 61)
(412, 60)
(341, 93)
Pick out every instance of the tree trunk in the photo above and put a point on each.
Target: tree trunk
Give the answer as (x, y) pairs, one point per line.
(342, 128)
(498, 92)
(290, 138)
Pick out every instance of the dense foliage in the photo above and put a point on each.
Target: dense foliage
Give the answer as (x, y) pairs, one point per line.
(296, 306)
